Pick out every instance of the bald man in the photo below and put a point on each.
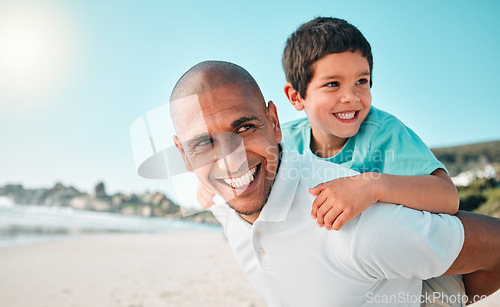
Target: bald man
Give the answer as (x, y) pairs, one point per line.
(389, 254)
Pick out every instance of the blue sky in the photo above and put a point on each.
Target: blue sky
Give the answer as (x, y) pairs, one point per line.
(74, 75)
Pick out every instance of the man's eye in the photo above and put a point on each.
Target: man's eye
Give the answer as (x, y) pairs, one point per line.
(362, 81)
(244, 128)
(204, 142)
(332, 84)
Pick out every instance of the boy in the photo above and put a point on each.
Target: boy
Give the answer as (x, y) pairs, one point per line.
(328, 65)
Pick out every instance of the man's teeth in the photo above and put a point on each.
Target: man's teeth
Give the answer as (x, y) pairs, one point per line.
(243, 180)
(347, 115)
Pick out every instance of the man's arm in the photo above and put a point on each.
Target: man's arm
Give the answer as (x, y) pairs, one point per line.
(479, 258)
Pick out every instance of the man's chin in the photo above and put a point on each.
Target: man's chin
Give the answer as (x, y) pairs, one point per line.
(249, 205)
(248, 212)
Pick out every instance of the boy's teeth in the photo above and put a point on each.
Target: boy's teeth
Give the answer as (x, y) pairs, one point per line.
(243, 180)
(347, 115)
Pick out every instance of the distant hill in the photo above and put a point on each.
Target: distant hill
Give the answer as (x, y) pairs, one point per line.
(465, 157)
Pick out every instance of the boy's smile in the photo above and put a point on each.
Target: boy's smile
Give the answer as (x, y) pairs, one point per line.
(337, 101)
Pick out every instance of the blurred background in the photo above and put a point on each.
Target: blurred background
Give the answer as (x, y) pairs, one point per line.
(74, 75)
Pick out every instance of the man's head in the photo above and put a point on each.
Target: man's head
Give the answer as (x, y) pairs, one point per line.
(315, 39)
(226, 133)
(328, 64)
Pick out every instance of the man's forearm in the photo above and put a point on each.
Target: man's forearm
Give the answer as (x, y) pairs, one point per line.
(481, 283)
(479, 259)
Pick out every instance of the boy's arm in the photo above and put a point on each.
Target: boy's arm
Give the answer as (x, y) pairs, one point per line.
(479, 258)
(204, 196)
(340, 200)
(435, 193)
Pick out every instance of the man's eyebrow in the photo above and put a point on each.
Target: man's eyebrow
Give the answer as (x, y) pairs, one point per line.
(244, 119)
(234, 124)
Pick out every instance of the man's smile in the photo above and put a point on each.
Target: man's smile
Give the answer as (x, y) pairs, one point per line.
(243, 180)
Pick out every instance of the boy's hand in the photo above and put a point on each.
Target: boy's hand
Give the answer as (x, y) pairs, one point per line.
(341, 200)
(205, 196)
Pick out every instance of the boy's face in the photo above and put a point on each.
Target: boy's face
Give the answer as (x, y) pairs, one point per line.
(338, 96)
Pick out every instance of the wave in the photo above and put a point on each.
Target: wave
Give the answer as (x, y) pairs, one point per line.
(28, 224)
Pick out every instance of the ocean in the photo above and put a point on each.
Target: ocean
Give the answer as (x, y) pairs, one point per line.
(30, 224)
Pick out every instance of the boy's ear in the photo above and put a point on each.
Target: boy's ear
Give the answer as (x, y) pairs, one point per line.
(178, 144)
(294, 97)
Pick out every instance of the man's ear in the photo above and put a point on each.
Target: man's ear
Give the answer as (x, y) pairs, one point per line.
(294, 97)
(273, 116)
(178, 144)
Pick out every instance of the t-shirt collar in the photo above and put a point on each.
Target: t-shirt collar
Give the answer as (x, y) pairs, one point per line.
(284, 187)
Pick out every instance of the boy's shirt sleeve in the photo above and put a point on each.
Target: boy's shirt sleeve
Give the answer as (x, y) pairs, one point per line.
(397, 242)
(395, 149)
(295, 135)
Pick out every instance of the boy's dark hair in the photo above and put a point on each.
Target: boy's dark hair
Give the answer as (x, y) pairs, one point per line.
(315, 39)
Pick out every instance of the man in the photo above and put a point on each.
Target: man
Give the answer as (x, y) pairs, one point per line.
(230, 139)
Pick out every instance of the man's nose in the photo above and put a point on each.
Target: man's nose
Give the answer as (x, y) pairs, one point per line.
(232, 156)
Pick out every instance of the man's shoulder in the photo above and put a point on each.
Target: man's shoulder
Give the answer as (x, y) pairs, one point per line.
(381, 221)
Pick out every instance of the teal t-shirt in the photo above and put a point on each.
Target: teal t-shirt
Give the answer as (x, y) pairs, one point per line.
(383, 144)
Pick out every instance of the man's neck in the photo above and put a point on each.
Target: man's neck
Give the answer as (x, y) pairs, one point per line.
(253, 217)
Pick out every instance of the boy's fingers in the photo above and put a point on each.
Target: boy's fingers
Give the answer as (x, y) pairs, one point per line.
(316, 190)
(321, 213)
(205, 202)
(207, 194)
(331, 217)
(317, 204)
(340, 221)
(205, 199)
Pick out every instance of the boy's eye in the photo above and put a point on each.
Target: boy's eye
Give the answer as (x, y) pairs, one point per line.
(332, 84)
(362, 81)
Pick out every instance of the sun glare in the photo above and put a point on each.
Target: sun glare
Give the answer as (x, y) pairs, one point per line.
(36, 52)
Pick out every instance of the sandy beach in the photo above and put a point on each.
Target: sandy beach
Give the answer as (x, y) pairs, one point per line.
(173, 269)
(132, 270)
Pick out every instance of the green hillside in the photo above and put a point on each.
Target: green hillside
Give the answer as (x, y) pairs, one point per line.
(482, 195)
(465, 157)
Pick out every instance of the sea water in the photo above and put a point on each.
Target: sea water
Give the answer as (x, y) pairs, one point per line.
(30, 224)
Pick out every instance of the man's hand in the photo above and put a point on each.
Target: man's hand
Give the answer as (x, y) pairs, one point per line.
(205, 196)
(342, 199)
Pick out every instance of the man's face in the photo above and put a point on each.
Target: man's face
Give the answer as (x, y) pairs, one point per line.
(230, 140)
(338, 97)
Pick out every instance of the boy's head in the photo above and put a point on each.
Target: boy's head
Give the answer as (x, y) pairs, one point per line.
(315, 39)
(328, 65)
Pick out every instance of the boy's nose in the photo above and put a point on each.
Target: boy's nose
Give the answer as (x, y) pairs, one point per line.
(350, 95)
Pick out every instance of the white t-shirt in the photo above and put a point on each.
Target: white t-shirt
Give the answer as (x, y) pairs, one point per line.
(381, 256)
